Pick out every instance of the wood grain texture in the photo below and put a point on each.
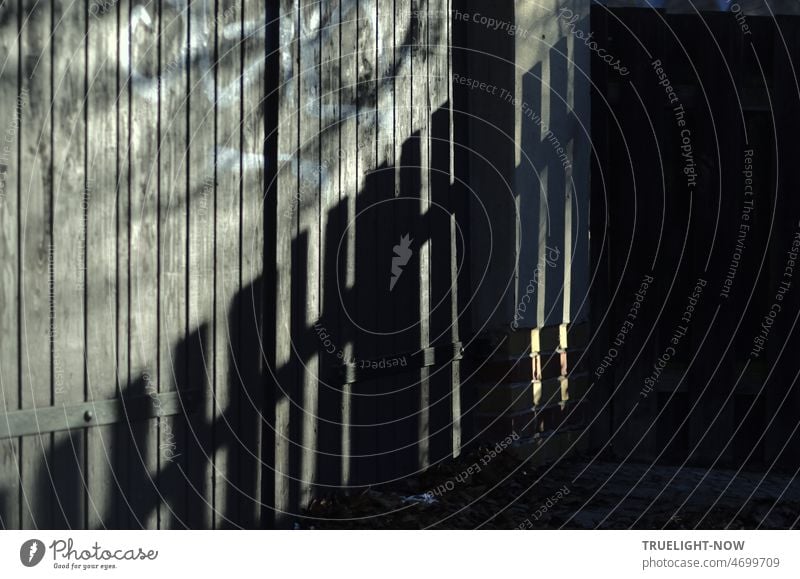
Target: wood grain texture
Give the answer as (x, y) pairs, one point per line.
(420, 118)
(101, 252)
(201, 184)
(384, 217)
(36, 257)
(172, 252)
(283, 369)
(405, 310)
(348, 183)
(10, 127)
(69, 187)
(203, 30)
(228, 163)
(306, 251)
(121, 448)
(250, 355)
(364, 315)
(329, 434)
(440, 278)
(142, 491)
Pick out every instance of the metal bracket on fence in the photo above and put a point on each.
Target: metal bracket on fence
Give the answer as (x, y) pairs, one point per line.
(360, 370)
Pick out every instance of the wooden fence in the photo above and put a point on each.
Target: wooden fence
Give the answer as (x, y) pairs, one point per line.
(230, 245)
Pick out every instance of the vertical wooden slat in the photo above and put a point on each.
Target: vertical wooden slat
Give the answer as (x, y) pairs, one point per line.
(306, 256)
(102, 246)
(347, 201)
(330, 416)
(10, 127)
(294, 383)
(440, 267)
(383, 215)
(286, 191)
(202, 179)
(556, 198)
(172, 253)
(228, 204)
(577, 263)
(272, 74)
(365, 314)
(143, 266)
(407, 169)
(69, 253)
(461, 137)
(35, 260)
(121, 448)
(252, 258)
(457, 236)
(420, 100)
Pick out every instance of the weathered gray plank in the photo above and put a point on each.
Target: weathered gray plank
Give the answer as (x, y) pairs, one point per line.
(405, 308)
(70, 196)
(228, 199)
(383, 216)
(252, 261)
(348, 181)
(172, 255)
(330, 416)
(272, 73)
(365, 312)
(457, 233)
(419, 123)
(202, 180)
(306, 256)
(440, 279)
(10, 119)
(102, 247)
(36, 258)
(286, 190)
(121, 447)
(143, 267)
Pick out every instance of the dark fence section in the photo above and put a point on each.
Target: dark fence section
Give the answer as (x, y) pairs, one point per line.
(695, 221)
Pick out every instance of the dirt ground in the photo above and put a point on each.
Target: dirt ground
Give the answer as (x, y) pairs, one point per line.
(581, 493)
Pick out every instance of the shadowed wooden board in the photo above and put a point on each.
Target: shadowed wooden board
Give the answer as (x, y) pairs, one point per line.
(10, 172)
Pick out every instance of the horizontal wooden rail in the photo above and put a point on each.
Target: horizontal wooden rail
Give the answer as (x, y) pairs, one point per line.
(96, 413)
